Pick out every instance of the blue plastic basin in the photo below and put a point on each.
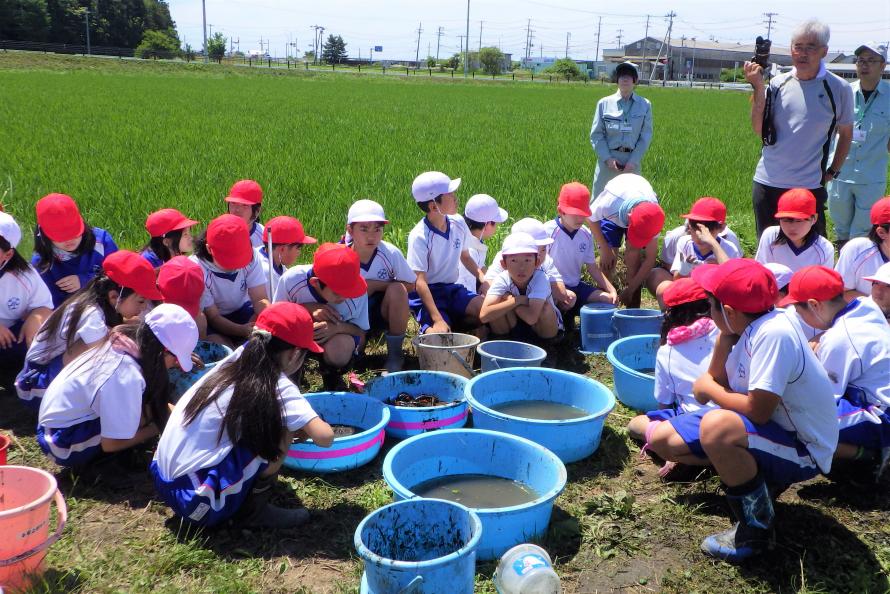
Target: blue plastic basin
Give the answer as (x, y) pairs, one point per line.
(634, 322)
(627, 356)
(597, 331)
(407, 421)
(499, 354)
(211, 353)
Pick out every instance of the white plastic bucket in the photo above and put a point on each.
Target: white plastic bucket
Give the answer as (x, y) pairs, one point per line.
(446, 351)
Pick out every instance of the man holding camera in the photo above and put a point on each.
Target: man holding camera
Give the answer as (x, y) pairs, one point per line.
(797, 115)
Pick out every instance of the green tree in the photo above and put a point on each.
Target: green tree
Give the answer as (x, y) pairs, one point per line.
(566, 68)
(216, 47)
(24, 20)
(492, 60)
(334, 50)
(430, 61)
(157, 44)
(188, 52)
(453, 61)
(732, 75)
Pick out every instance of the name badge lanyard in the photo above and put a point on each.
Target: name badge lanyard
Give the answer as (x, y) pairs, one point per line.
(865, 108)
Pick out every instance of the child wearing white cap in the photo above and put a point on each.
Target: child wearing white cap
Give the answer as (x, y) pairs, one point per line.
(482, 216)
(880, 289)
(116, 395)
(519, 303)
(437, 246)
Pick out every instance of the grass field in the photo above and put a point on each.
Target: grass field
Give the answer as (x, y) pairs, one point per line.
(124, 138)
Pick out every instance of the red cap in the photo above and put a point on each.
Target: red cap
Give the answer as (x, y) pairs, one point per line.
(683, 290)
(743, 284)
(290, 322)
(130, 270)
(574, 199)
(59, 218)
(796, 203)
(286, 230)
(229, 242)
(163, 221)
(814, 282)
(181, 282)
(707, 209)
(246, 191)
(337, 266)
(645, 222)
(880, 211)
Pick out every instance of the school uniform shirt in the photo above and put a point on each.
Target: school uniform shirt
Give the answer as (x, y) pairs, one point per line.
(294, 287)
(859, 258)
(387, 264)
(85, 266)
(607, 206)
(571, 250)
(90, 328)
(21, 293)
(256, 234)
(669, 247)
(677, 367)
(773, 355)
(549, 268)
(686, 249)
(817, 252)
(478, 252)
(184, 449)
(105, 384)
(538, 288)
(435, 252)
(277, 270)
(227, 290)
(855, 352)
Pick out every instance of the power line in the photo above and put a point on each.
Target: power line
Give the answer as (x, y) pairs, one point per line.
(417, 53)
(769, 22)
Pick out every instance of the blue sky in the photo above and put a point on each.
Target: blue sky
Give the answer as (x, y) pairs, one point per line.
(393, 24)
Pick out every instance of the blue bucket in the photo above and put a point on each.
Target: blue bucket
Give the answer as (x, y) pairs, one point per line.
(407, 421)
(475, 451)
(597, 331)
(419, 546)
(497, 354)
(348, 452)
(628, 356)
(633, 322)
(180, 381)
(570, 439)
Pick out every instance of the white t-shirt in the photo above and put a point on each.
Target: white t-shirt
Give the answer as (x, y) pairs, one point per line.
(20, 293)
(570, 251)
(228, 290)
(686, 248)
(437, 253)
(102, 384)
(387, 264)
(538, 288)
(669, 248)
(549, 268)
(294, 287)
(607, 206)
(256, 235)
(819, 252)
(860, 257)
(188, 448)
(277, 271)
(773, 355)
(678, 366)
(90, 328)
(478, 252)
(855, 351)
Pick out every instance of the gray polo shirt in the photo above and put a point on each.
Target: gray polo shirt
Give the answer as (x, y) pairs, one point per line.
(802, 116)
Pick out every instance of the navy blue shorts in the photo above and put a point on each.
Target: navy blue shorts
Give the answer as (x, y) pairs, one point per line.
(33, 380)
(375, 315)
(452, 300)
(241, 315)
(13, 358)
(583, 291)
(862, 423)
(614, 234)
(74, 446)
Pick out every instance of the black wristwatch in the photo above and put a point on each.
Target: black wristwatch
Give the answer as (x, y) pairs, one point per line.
(831, 172)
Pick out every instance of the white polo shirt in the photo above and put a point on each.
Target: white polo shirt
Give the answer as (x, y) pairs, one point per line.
(437, 253)
(608, 206)
(227, 290)
(686, 250)
(859, 258)
(538, 288)
(773, 355)
(678, 366)
(549, 268)
(90, 328)
(21, 293)
(570, 251)
(188, 448)
(256, 234)
(478, 252)
(387, 264)
(263, 258)
(294, 287)
(669, 247)
(818, 252)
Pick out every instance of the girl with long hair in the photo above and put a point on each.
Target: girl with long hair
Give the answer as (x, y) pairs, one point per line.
(171, 236)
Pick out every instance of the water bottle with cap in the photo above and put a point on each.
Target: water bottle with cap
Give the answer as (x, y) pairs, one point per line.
(526, 569)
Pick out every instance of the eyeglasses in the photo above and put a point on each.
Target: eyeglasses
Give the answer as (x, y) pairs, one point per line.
(808, 48)
(869, 62)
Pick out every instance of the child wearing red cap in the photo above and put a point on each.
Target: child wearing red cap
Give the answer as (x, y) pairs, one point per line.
(234, 287)
(181, 282)
(287, 239)
(68, 253)
(573, 250)
(795, 241)
(862, 256)
(669, 246)
(775, 424)
(336, 295)
(171, 236)
(627, 206)
(219, 455)
(123, 293)
(245, 200)
(855, 351)
(387, 273)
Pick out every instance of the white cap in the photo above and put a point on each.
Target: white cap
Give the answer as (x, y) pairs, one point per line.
(782, 273)
(875, 46)
(519, 243)
(432, 184)
(482, 208)
(9, 229)
(533, 227)
(630, 186)
(365, 211)
(176, 330)
(881, 276)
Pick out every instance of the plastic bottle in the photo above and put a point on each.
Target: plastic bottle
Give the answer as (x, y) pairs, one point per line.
(526, 569)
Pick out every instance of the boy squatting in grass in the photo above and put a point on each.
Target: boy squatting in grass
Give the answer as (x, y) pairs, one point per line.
(482, 215)
(776, 422)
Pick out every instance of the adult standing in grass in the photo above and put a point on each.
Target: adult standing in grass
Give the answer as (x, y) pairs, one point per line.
(862, 179)
(806, 107)
(622, 129)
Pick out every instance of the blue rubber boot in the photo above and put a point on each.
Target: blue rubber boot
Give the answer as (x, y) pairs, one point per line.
(752, 534)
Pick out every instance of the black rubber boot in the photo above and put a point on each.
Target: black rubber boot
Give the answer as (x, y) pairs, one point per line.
(332, 379)
(753, 531)
(257, 512)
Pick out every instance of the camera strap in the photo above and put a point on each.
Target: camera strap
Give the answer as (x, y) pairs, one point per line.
(827, 146)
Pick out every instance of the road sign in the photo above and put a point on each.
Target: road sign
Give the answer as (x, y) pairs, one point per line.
(378, 48)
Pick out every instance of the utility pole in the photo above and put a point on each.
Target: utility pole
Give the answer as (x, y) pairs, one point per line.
(692, 75)
(320, 42)
(462, 51)
(528, 40)
(670, 16)
(211, 30)
(467, 39)
(204, 25)
(480, 36)
(568, 36)
(620, 32)
(769, 22)
(683, 53)
(645, 44)
(86, 22)
(599, 26)
(417, 53)
(438, 41)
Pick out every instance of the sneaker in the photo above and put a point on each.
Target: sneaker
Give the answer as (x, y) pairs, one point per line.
(738, 543)
(272, 516)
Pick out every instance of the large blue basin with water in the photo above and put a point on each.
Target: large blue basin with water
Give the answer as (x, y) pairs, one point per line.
(628, 356)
